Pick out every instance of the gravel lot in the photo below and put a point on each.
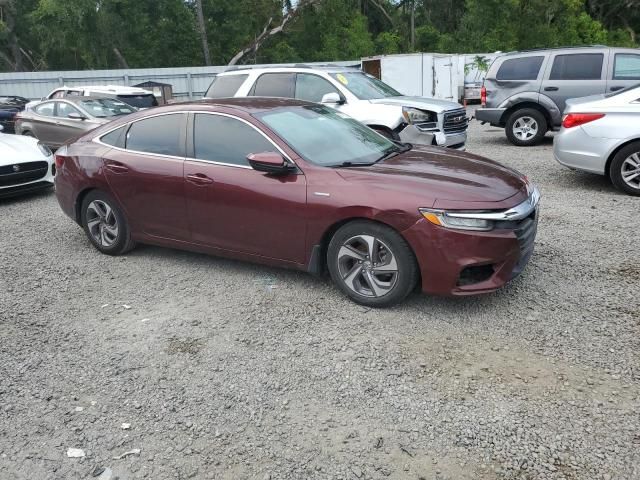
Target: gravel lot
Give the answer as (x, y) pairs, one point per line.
(228, 370)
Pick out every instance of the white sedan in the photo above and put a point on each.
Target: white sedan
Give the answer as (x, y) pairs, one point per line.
(26, 165)
(601, 134)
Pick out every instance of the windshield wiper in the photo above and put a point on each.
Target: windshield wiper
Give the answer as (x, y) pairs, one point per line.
(393, 151)
(350, 164)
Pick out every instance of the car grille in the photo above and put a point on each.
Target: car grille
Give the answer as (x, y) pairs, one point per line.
(455, 121)
(525, 231)
(27, 172)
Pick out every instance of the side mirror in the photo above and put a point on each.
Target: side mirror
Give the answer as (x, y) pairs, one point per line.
(1, 128)
(76, 116)
(270, 162)
(332, 97)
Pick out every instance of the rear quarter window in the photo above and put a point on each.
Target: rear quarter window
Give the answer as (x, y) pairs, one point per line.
(225, 86)
(524, 68)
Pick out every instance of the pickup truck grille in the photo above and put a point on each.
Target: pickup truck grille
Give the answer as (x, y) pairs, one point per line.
(22, 173)
(455, 121)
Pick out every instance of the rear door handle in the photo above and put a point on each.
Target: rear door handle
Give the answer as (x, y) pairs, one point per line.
(199, 179)
(551, 89)
(116, 167)
(615, 89)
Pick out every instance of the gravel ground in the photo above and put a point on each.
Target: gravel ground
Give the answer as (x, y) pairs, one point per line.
(228, 370)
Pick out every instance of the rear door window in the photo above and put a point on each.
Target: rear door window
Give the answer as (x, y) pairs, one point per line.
(160, 135)
(626, 67)
(45, 109)
(225, 86)
(577, 66)
(222, 139)
(275, 85)
(312, 87)
(524, 68)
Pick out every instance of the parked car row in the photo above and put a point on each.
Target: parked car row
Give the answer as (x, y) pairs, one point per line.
(278, 166)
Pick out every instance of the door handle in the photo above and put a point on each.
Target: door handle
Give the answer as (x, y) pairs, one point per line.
(116, 167)
(199, 179)
(551, 89)
(615, 89)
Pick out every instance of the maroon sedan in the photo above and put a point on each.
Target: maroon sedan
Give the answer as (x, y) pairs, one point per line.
(300, 185)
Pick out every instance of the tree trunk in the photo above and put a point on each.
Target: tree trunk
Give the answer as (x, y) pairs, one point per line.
(413, 25)
(203, 33)
(9, 11)
(121, 60)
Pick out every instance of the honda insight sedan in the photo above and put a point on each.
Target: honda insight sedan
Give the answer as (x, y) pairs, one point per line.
(296, 184)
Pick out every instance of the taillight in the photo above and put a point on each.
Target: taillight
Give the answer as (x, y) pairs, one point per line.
(577, 119)
(59, 159)
(483, 96)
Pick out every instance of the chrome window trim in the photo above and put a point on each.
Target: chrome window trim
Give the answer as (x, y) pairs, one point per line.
(518, 212)
(99, 141)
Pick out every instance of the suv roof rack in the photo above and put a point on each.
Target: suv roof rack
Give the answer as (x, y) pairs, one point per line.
(296, 65)
(555, 48)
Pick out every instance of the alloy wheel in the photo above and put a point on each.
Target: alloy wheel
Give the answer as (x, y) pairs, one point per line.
(367, 266)
(631, 170)
(102, 223)
(525, 128)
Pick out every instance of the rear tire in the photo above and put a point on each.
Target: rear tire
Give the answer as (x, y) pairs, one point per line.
(624, 170)
(526, 127)
(105, 224)
(372, 264)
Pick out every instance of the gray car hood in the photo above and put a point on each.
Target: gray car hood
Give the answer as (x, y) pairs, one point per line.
(424, 103)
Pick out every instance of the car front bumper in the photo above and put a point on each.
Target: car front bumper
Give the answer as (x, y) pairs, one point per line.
(460, 262)
(574, 148)
(34, 176)
(413, 134)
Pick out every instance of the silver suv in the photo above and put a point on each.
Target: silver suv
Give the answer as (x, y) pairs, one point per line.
(525, 92)
(416, 120)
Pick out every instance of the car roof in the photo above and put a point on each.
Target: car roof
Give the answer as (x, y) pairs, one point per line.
(83, 98)
(245, 104)
(113, 89)
(554, 49)
(292, 69)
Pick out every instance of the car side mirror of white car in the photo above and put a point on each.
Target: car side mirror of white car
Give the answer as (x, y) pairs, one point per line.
(332, 97)
(1, 128)
(76, 116)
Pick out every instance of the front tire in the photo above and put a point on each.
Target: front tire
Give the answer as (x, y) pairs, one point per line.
(526, 127)
(105, 224)
(372, 264)
(625, 169)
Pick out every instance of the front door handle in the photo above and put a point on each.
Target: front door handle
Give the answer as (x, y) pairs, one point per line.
(116, 167)
(615, 89)
(551, 89)
(199, 179)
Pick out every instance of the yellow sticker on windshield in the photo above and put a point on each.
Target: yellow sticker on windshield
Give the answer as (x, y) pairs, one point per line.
(342, 79)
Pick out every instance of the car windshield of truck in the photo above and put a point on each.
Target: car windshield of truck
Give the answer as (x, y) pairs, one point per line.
(325, 137)
(140, 101)
(107, 107)
(364, 86)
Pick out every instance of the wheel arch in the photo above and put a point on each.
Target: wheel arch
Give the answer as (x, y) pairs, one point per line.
(614, 152)
(318, 260)
(528, 104)
(77, 207)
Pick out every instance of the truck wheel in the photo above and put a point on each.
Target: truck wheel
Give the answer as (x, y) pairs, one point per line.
(526, 127)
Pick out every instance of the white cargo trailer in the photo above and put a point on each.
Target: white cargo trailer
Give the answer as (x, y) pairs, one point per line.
(433, 75)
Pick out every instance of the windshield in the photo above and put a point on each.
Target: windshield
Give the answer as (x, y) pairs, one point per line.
(364, 86)
(326, 137)
(107, 107)
(140, 101)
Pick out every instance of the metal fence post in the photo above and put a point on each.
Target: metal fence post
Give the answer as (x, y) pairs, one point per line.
(126, 79)
(190, 85)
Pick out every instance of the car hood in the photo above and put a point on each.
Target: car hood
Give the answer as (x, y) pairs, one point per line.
(16, 149)
(431, 104)
(445, 178)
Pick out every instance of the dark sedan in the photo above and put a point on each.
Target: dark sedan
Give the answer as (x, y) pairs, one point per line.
(300, 185)
(10, 106)
(54, 122)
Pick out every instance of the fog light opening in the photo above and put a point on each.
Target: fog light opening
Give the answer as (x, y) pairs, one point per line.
(475, 274)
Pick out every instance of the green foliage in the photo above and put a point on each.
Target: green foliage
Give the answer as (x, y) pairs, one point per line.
(95, 34)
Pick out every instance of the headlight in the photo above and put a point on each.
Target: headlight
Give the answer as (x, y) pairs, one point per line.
(442, 219)
(46, 151)
(413, 115)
